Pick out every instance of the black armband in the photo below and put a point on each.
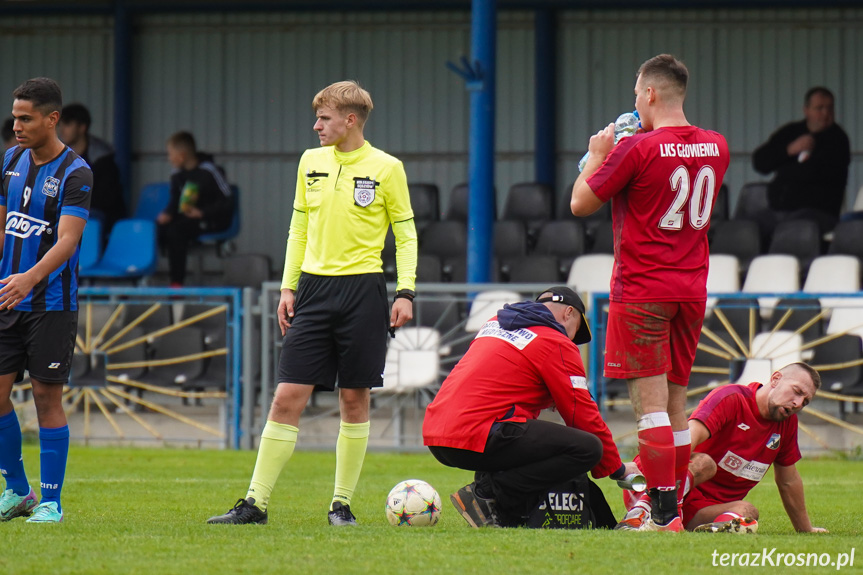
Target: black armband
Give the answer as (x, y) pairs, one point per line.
(407, 294)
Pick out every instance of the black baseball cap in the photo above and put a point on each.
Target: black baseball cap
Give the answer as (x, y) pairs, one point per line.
(566, 296)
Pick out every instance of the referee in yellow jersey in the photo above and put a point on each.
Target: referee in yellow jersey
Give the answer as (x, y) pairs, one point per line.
(333, 310)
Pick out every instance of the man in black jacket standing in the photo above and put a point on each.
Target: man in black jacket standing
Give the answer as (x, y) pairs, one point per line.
(811, 159)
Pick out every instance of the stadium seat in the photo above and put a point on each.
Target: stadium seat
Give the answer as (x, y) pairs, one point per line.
(847, 320)
(772, 273)
(446, 239)
(535, 268)
(438, 311)
(734, 319)
(836, 361)
(833, 274)
(246, 270)
(848, 239)
(424, 202)
(562, 239)
(738, 238)
(801, 316)
(531, 204)
(798, 238)
(455, 270)
(215, 331)
(603, 238)
(428, 269)
(720, 205)
(219, 239)
(510, 239)
(591, 273)
(485, 306)
(780, 347)
(752, 201)
(133, 354)
(152, 201)
(458, 203)
(91, 244)
(174, 346)
(130, 253)
(723, 276)
(413, 360)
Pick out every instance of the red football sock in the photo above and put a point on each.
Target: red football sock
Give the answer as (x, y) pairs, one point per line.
(657, 451)
(727, 516)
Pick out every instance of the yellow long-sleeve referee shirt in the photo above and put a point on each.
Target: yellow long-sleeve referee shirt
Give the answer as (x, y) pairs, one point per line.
(343, 206)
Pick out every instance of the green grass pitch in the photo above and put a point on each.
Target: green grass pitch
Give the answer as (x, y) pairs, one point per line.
(143, 511)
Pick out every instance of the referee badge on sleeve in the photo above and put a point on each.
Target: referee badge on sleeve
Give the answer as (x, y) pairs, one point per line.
(364, 191)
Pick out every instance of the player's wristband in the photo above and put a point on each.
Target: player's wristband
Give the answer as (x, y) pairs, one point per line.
(407, 294)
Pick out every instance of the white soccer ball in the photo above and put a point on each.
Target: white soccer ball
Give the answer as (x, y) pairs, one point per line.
(413, 503)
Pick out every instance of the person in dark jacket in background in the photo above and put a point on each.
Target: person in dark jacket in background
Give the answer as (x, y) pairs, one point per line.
(810, 159)
(200, 202)
(107, 203)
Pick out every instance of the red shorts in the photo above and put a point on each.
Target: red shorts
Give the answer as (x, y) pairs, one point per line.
(694, 502)
(647, 339)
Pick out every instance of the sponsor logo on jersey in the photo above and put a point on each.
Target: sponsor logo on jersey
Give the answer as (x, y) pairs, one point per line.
(736, 465)
(364, 191)
(773, 442)
(562, 501)
(517, 337)
(11, 173)
(610, 364)
(742, 427)
(23, 226)
(51, 187)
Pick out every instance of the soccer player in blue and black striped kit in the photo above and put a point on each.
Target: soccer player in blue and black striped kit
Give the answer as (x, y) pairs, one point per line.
(45, 201)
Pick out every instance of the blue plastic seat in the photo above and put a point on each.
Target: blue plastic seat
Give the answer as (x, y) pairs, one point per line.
(130, 253)
(231, 231)
(91, 244)
(153, 200)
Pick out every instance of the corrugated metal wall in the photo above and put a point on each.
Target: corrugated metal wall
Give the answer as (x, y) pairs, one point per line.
(77, 52)
(243, 84)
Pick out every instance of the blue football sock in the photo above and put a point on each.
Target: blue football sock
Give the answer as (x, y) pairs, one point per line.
(55, 447)
(11, 461)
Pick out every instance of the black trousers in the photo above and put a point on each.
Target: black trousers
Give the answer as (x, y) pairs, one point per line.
(175, 237)
(523, 460)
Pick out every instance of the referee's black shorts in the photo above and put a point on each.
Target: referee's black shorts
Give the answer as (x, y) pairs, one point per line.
(339, 329)
(40, 341)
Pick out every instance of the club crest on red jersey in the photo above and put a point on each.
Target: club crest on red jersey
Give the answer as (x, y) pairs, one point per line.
(773, 442)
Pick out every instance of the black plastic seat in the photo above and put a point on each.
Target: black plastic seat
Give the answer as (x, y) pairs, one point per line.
(429, 269)
(531, 204)
(845, 349)
(562, 239)
(848, 239)
(425, 201)
(802, 311)
(246, 270)
(737, 238)
(445, 239)
(535, 268)
(798, 238)
(603, 238)
(720, 206)
(457, 207)
(752, 201)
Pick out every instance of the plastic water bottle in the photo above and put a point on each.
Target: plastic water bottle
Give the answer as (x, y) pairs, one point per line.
(625, 125)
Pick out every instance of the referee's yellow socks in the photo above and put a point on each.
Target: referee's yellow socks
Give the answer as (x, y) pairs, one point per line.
(350, 453)
(277, 445)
